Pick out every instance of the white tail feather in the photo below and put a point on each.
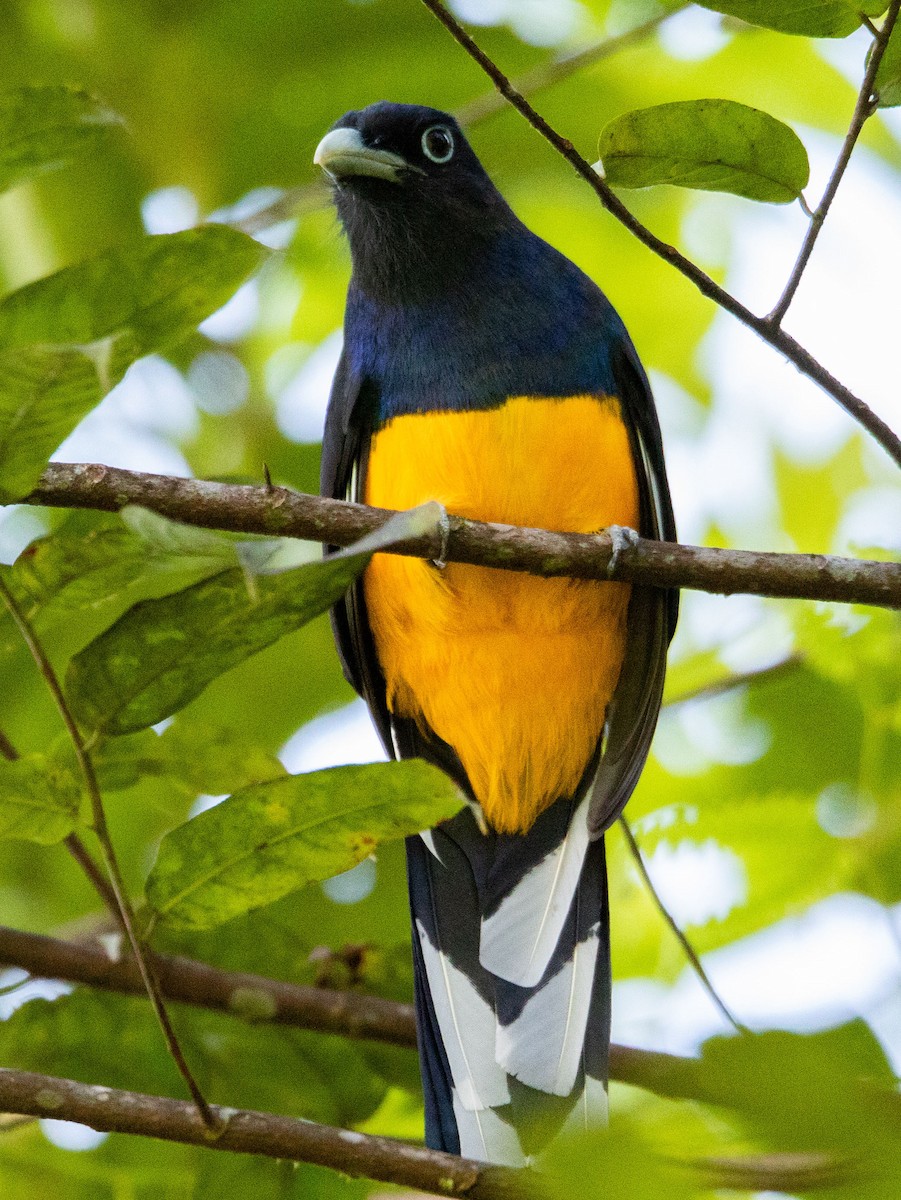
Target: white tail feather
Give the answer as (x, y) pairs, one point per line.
(543, 1046)
(467, 1024)
(518, 939)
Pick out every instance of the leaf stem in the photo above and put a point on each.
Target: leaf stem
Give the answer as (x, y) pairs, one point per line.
(683, 941)
(863, 109)
(117, 885)
(768, 330)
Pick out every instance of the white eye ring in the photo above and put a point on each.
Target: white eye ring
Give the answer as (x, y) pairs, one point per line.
(438, 156)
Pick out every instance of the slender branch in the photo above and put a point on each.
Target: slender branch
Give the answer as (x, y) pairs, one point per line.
(681, 938)
(123, 904)
(358, 1154)
(617, 554)
(253, 997)
(74, 845)
(768, 330)
(561, 67)
(776, 1172)
(862, 110)
(707, 691)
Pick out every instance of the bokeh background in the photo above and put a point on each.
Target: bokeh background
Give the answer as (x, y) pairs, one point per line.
(769, 814)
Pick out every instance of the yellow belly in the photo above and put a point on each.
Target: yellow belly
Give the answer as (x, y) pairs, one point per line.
(514, 671)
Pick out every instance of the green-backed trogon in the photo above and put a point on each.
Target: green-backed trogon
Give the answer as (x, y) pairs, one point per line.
(482, 369)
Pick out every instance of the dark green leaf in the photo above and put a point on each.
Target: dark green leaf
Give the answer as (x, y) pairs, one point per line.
(39, 800)
(67, 339)
(163, 653)
(270, 839)
(42, 128)
(811, 18)
(713, 145)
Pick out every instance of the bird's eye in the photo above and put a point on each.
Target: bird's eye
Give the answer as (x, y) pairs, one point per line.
(438, 143)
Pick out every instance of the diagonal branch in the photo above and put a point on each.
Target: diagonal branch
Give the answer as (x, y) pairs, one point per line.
(612, 554)
(359, 1154)
(863, 109)
(766, 328)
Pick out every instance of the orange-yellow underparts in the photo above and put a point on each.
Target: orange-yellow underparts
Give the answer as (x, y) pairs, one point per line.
(514, 671)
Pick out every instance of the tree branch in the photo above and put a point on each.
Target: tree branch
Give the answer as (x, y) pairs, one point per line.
(241, 994)
(385, 1159)
(862, 110)
(766, 328)
(617, 554)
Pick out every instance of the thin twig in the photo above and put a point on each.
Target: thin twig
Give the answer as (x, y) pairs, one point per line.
(763, 326)
(123, 904)
(561, 67)
(683, 941)
(729, 683)
(863, 109)
(279, 511)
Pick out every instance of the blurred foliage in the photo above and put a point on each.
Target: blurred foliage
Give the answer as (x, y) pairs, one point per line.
(129, 118)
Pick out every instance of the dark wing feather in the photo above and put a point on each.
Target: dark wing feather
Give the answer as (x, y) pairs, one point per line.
(632, 717)
(345, 450)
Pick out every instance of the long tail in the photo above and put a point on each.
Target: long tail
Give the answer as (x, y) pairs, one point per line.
(512, 969)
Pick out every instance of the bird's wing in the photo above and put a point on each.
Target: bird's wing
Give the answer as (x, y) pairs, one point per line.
(345, 449)
(635, 705)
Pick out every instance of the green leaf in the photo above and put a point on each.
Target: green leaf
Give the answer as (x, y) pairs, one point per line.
(888, 75)
(39, 800)
(712, 145)
(43, 128)
(162, 653)
(806, 1092)
(67, 339)
(811, 18)
(92, 559)
(269, 839)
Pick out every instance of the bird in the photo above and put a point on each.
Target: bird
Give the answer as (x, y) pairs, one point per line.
(482, 369)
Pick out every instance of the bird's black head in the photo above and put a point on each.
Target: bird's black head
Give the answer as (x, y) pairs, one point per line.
(416, 203)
